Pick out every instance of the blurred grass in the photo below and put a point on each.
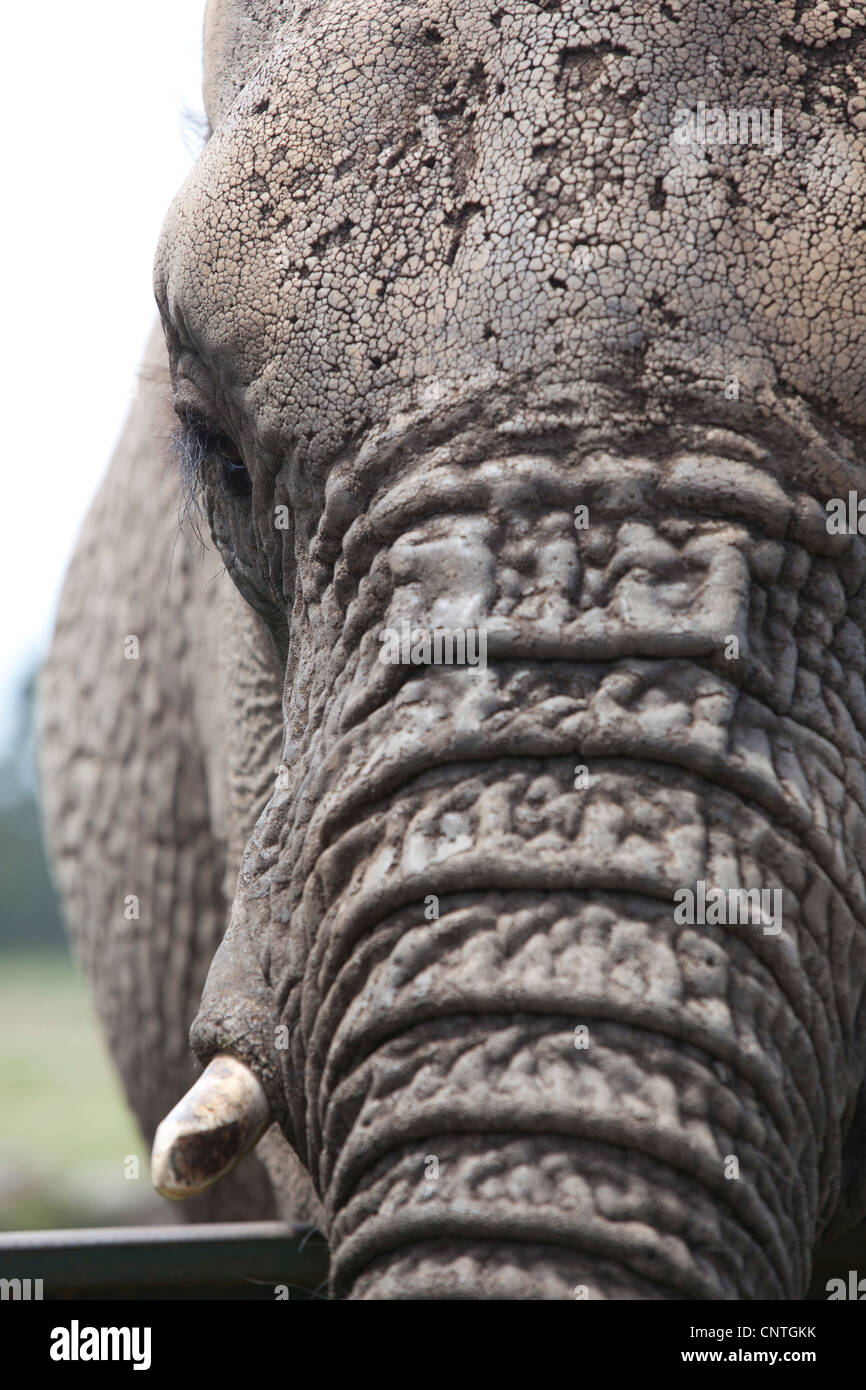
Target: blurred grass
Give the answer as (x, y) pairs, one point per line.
(66, 1131)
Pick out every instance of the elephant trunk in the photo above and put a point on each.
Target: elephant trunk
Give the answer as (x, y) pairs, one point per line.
(554, 941)
(518, 1154)
(545, 1091)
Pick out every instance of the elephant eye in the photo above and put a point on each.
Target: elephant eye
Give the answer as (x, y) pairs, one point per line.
(200, 447)
(235, 477)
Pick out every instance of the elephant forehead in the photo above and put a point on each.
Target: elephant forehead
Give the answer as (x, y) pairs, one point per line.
(400, 198)
(237, 34)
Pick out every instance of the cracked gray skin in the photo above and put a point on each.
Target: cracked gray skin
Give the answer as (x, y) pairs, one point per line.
(442, 274)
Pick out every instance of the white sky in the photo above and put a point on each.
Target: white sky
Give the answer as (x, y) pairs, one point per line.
(93, 152)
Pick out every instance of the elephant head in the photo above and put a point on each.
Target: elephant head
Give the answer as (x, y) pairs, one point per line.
(544, 323)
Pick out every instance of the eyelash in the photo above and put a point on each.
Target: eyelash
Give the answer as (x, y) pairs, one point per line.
(195, 441)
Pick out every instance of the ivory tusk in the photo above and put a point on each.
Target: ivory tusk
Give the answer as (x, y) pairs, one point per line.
(210, 1130)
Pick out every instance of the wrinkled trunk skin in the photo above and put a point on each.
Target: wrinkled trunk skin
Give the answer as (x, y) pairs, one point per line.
(442, 274)
(447, 1045)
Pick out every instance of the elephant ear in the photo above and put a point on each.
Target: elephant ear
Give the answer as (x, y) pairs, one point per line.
(851, 1206)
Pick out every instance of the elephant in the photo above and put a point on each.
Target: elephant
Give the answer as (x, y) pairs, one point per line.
(538, 974)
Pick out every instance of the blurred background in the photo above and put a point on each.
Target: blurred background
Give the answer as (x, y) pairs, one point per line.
(100, 113)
